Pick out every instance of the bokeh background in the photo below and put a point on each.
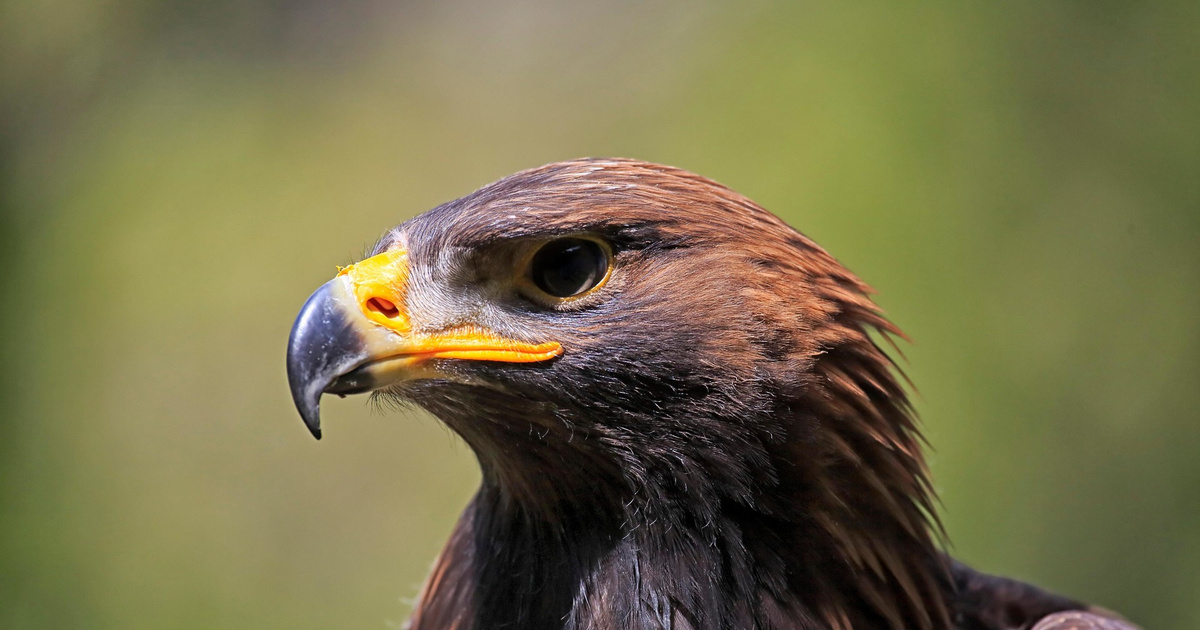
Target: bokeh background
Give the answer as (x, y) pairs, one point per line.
(1020, 181)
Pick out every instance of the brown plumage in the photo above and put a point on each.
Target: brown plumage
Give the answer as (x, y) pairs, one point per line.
(721, 441)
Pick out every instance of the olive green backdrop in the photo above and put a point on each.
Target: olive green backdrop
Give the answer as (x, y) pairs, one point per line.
(1019, 181)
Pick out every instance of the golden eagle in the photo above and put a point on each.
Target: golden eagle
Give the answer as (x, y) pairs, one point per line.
(680, 405)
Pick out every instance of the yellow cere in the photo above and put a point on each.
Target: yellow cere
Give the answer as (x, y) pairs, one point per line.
(380, 283)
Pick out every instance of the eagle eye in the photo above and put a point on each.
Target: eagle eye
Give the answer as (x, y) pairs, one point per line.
(567, 267)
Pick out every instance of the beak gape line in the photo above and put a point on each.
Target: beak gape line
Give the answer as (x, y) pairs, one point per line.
(354, 335)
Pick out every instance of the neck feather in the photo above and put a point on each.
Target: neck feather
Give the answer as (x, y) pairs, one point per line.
(822, 523)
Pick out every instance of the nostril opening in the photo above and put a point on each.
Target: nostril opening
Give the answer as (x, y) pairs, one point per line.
(383, 307)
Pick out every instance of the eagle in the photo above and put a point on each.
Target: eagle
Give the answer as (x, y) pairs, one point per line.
(685, 412)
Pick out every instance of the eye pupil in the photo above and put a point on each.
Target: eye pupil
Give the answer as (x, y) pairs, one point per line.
(569, 266)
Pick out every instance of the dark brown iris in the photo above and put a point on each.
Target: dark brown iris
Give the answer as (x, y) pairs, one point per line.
(567, 267)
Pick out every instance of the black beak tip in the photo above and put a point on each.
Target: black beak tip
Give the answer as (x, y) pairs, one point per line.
(322, 346)
(310, 412)
(308, 404)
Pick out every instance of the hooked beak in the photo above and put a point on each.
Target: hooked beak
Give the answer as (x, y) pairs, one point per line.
(353, 335)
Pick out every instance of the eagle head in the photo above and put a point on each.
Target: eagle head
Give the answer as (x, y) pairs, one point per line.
(680, 407)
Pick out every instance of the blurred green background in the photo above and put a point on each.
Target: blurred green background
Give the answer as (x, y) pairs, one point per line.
(1020, 181)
